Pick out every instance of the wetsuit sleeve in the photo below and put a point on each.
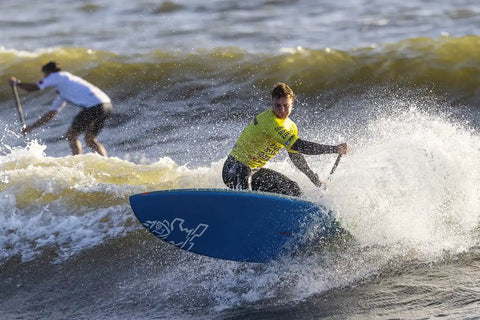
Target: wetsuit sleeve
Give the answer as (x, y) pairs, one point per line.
(312, 148)
(299, 161)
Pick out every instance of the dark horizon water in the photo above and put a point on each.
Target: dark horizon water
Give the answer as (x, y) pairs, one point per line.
(398, 81)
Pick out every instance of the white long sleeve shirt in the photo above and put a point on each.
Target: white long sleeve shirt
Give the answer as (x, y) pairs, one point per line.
(72, 89)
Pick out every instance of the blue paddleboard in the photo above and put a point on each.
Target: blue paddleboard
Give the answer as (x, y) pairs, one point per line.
(227, 224)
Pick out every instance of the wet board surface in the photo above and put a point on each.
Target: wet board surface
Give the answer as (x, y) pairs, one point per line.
(226, 224)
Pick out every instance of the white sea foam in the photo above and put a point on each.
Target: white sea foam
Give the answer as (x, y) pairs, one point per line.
(413, 180)
(71, 203)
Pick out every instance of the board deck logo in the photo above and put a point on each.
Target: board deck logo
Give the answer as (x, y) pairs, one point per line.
(175, 232)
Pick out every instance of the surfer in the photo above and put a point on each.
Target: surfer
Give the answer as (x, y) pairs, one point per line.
(262, 139)
(95, 104)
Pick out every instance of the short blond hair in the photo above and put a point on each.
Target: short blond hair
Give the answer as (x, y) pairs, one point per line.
(281, 90)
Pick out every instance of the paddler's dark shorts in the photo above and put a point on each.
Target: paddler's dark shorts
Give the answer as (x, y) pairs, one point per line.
(92, 119)
(237, 175)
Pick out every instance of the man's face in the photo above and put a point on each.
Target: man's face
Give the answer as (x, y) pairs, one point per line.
(282, 107)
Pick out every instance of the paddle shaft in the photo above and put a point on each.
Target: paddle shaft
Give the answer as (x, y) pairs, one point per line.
(335, 165)
(19, 106)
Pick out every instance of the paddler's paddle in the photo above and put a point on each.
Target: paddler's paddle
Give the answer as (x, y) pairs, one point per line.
(335, 165)
(19, 106)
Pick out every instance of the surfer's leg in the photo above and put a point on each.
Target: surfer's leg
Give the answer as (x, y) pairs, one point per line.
(73, 141)
(93, 143)
(90, 121)
(95, 119)
(271, 181)
(235, 174)
(78, 126)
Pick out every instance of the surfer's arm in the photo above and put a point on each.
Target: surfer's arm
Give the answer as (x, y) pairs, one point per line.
(23, 85)
(48, 116)
(299, 161)
(313, 148)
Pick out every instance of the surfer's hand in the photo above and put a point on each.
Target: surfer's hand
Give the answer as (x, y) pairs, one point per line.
(317, 182)
(12, 81)
(27, 130)
(343, 148)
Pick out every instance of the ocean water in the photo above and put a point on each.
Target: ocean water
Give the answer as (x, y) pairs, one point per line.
(397, 80)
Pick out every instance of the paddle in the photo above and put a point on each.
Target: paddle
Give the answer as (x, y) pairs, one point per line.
(335, 165)
(19, 106)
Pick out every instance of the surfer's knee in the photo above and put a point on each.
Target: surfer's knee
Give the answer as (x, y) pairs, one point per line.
(72, 135)
(294, 190)
(90, 140)
(235, 174)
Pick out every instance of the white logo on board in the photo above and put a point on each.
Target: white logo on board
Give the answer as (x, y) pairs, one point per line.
(177, 234)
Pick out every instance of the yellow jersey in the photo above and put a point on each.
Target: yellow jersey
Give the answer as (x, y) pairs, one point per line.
(263, 138)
